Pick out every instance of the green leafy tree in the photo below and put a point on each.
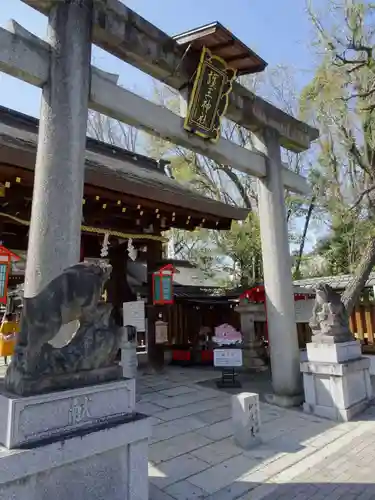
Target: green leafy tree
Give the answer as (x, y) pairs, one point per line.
(341, 101)
(242, 246)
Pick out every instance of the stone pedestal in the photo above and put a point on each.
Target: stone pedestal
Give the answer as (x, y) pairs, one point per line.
(129, 359)
(253, 352)
(24, 421)
(109, 463)
(336, 380)
(246, 419)
(87, 443)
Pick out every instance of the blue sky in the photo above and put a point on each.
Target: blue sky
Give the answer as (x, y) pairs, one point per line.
(277, 29)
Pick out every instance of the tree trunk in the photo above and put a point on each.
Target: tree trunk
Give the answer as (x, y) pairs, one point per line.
(303, 240)
(353, 290)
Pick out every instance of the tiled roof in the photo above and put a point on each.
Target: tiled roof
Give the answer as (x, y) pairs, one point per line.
(336, 282)
(112, 168)
(186, 275)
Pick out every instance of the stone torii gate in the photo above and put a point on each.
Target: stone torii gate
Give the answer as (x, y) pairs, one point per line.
(61, 67)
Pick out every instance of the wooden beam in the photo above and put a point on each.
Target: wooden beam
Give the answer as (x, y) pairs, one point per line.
(125, 34)
(16, 55)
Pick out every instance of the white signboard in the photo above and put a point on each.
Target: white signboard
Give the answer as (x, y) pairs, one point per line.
(134, 314)
(227, 358)
(303, 310)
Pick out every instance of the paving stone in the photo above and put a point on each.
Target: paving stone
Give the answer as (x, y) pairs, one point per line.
(155, 421)
(366, 495)
(264, 454)
(177, 469)
(218, 451)
(269, 413)
(283, 462)
(191, 409)
(176, 446)
(187, 399)
(319, 440)
(303, 457)
(217, 431)
(218, 415)
(260, 493)
(221, 475)
(167, 430)
(177, 391)
(148, 408)
(233, 491)
(271, 431)
(160, 385)
(150, 397)
(285, 444)
(143, 389)
(156, 494)
(184, 490)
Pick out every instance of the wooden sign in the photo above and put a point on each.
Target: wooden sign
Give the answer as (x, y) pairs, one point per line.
(161, 332)
(162, 285)
(209, 98)
(6, 258)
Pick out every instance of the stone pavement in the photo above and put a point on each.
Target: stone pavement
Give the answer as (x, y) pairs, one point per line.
(302, 457)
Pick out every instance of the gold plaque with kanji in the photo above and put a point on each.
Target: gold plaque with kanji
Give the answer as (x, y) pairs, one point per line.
(209, 98)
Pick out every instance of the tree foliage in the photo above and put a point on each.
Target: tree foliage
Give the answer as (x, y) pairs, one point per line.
(341, 101)
(236, 251)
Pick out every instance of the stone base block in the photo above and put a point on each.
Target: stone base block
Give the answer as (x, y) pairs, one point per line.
(337, 391)
(333, 353)
(284, 401)
(26, 421)
(110, 463)
(252, 358)
(246, 419)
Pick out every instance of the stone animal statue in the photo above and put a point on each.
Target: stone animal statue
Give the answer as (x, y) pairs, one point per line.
(90, 355)
(330, 321)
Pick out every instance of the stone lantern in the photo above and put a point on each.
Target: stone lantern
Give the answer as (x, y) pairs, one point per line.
(253, 348)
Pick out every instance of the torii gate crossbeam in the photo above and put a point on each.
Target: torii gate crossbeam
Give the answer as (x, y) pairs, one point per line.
(117, 29)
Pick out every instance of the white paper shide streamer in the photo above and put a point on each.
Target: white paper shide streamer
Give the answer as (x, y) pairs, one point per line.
(132, 252)
(105, 245)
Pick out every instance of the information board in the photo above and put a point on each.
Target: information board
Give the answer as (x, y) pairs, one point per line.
(134, 314)
(227, 358)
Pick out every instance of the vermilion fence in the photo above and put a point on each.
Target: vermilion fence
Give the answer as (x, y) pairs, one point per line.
(185, 319)
(362, 324)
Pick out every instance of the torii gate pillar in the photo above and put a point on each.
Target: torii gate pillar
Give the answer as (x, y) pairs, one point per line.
(282, 330)
(55, 227)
